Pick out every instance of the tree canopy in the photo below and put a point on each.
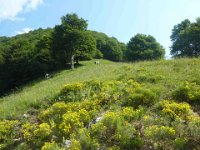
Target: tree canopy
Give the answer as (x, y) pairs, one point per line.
(71, 39)
(110, 47)
(144, 47)
(186, 39)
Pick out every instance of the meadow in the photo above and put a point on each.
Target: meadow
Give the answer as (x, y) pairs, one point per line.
(142, 105)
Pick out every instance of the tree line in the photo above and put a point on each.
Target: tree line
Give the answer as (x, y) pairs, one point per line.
(29, 56)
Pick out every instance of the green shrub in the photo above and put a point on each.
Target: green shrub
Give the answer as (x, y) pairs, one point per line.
(188, 92)
(23, 146)
(160, 133)
(9, 130)
(141, 97)
(175, 110)
(72, 92)
(130, 114)
(70, 123)
(149, 78)
(86, 141)
(193, 128)
(35, 134)
(113, 130)
(75, 145)
(51, 146)
(180, 143)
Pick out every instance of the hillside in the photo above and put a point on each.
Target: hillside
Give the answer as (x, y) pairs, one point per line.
(143, 105)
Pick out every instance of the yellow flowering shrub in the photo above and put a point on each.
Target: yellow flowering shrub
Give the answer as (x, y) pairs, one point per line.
(72, 87)
(75, 145)
(116, 132)
(71, 122)
(84, 116)
(106, 115)
(140, 97)
(130, 114)
(188, 92)
(8, 131)
(36, 134)
(175, 110)
(55, 112)
(28, 131)
(42, 131)
(159, 133)
(51, 146)
(72, 92)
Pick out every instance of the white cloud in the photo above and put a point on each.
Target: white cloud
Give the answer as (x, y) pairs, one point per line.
(25, 30)
(32, 4)
(10, 9)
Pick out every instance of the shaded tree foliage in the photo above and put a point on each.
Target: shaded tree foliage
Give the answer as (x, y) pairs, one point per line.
(143, 47)
(24, 57)
(29, 56)
(186, 39)
(110, 47)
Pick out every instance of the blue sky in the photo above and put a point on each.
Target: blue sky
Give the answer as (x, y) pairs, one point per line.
(119, 18)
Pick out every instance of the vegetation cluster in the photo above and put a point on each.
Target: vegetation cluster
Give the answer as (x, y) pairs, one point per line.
(119, 114)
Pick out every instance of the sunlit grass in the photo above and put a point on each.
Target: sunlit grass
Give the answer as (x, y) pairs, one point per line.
(16, 104)
(163, 76)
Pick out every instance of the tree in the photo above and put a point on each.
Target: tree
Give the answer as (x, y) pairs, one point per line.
(71, 40)
(185, 39)
(143, 47)
(81, 45)
(111, 48)
(73, 22)
(24, 58)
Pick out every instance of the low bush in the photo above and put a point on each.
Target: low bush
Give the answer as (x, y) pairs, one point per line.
(188, 92)
(9, 132)
(175, 110)
(141, 97)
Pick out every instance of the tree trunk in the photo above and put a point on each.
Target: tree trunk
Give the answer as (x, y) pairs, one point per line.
(72, 62)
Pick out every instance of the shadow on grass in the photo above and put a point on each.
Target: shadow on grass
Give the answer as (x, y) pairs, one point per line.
(35, 80)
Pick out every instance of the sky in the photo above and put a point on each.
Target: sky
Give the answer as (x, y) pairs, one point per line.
(122, 19)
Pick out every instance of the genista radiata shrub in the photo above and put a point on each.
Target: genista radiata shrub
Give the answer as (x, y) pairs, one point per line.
(105, 115)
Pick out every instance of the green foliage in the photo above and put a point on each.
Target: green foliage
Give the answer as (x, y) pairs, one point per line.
(130, 114)
(35, 134)
(143, 47)
(188, 92)
(185, 38)
(115, 131)
(9, 131)
(175, 110)
(93, 115)
(193, 127)
(51, 146)
(86, 141)
(75, 145)
(160, 133)
(72, 21)
(29, 51)
(179, 143)
(111, 48)
(71, 39)
(140, 97)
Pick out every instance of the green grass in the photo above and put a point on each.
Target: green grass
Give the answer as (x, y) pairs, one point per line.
(164, 76)
(18, 103)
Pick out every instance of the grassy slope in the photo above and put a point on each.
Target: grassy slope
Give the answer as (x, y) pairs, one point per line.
(18, 103)
(161, 75)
